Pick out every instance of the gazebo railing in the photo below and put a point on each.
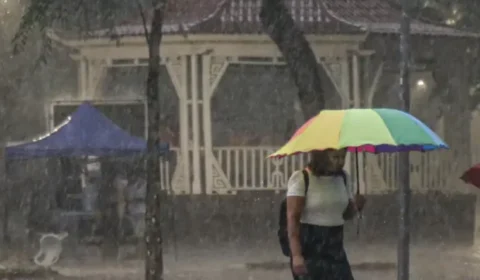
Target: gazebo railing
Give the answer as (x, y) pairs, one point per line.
(248, 169)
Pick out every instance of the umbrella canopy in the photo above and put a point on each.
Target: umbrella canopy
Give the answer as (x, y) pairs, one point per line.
(472, 176)
(362, 130)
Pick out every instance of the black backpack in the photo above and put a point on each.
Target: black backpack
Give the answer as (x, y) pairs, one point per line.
(282, 232)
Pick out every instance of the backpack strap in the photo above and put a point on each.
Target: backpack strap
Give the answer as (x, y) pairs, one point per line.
(344, 177)
(306, 179)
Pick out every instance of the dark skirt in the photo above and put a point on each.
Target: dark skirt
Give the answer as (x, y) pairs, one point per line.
(324, 253)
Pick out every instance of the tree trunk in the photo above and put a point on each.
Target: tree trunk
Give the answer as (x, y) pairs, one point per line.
(153, 231)
(300, 59)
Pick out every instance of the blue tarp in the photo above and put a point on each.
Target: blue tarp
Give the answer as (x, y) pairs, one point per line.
(87, 132)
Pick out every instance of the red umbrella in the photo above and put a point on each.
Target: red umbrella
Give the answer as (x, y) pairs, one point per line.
(472, 176)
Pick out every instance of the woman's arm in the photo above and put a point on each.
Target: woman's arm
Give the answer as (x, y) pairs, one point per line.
(355, 205)
(350, 211)
(295, 203)
(295, 206)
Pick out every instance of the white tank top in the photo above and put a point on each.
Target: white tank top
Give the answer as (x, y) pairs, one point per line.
(327, 198)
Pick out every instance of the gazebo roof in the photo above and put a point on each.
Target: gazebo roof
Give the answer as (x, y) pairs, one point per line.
(313, 16)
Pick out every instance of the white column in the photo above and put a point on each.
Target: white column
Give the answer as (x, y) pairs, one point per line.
(345, 83)
(213, 70)
(196, 184)
(82, 78)
(184, 124)
(207, 122)
(345, 94)
(91, 73)
(96, 72)
(356, 82)
(177, 70)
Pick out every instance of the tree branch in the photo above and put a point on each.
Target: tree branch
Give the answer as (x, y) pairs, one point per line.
(144, 20)
(300, 58)
(157, 24)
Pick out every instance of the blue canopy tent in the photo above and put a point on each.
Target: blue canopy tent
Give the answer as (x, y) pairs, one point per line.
(87, 132)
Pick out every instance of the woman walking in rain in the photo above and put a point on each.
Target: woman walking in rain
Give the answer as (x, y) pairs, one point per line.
(318, 203)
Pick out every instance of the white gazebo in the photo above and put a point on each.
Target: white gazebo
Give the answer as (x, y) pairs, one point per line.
(201, 42)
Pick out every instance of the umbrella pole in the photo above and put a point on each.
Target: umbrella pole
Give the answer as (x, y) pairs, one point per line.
(357, 174)
(403, 257)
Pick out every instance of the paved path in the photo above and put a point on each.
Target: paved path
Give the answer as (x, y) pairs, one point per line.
(427, 262)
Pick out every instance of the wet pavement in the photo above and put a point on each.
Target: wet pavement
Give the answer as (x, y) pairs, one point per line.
(370, 262)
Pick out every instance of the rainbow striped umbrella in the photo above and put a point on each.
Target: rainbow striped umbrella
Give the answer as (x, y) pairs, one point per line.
(362, 130)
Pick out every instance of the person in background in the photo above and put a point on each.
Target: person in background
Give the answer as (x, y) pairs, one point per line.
(121, 183)
(167, 133)
(90, 195)
(136, 203)
(316, 215)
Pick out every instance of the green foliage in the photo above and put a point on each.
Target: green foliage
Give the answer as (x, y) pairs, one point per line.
(463, 14)
(77, 16)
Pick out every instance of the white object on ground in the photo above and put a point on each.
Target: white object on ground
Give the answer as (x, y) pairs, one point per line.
(50, 249)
